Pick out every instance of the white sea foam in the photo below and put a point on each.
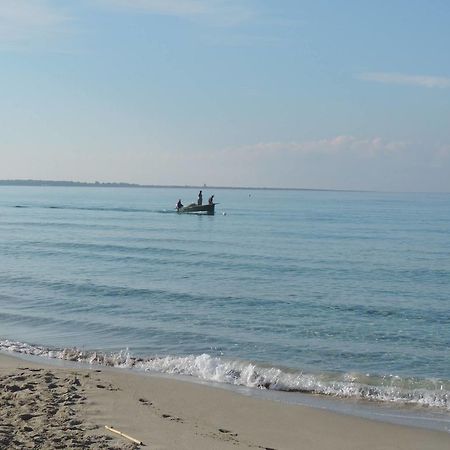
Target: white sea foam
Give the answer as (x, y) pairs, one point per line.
(391, 389)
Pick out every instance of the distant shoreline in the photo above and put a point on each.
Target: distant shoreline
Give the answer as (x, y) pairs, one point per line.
(52, 183)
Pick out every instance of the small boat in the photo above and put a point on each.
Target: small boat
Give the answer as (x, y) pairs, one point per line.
(201, 209)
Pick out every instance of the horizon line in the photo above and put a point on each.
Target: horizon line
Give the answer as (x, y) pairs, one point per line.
(120, 184)
(110, 184)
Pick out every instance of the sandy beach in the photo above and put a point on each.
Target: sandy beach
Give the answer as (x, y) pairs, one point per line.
(43, 406)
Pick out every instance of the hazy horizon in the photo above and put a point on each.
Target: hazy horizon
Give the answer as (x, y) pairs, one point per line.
(122, 184)
(292, 94)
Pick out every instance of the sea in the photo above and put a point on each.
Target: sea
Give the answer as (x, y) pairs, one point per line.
(331, 298)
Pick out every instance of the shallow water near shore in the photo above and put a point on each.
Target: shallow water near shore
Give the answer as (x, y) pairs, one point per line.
(342, 294)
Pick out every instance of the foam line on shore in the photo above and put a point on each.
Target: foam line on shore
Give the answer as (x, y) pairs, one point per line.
(386, 389)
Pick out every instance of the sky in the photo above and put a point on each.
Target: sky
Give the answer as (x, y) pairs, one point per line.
(344, 94)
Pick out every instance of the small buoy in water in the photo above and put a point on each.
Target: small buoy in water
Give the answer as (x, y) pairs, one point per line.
(224, 213)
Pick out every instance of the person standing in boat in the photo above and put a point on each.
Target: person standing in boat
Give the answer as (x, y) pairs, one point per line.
(200, 199)
(211, 200)
(179, 204)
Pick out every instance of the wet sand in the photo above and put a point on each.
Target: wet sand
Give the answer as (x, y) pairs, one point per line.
(47, 407)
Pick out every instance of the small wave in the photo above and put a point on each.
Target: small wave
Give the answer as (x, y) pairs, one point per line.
(101, 208)
(390, 389)
(88, 208)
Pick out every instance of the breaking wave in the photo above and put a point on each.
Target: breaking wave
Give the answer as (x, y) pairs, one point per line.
(390, 388)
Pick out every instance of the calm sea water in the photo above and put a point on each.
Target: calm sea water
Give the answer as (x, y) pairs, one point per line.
(339, 293)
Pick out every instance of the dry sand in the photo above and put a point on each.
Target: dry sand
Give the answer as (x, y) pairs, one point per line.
(47, 407)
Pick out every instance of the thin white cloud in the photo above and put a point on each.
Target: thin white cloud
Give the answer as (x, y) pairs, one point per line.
(332, 146)
(223, 12)
(411, 80)
(337, 162)
(22, 21)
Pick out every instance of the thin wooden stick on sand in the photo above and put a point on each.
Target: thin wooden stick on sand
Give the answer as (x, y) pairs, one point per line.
(126, 436)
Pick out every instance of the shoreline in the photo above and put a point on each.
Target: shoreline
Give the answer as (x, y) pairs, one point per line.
(368, 402)
(173, 414)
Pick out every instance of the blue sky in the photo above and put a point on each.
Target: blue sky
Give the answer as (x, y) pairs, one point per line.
(313, 94)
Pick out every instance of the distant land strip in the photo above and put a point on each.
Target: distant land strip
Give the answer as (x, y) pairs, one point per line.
(134, 185)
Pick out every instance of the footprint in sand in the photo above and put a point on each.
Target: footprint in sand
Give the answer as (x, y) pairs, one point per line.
(222, 430)
(145, 402)
(175, 419)
(110, 387)
(223, 435)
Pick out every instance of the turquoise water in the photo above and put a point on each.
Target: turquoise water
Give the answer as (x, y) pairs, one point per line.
(337, 293)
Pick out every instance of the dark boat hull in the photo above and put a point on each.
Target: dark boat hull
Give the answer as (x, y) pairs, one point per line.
(199, 209)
